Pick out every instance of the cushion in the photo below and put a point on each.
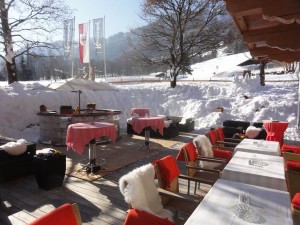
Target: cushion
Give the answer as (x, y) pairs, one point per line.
(190, 150)
(220, 133)
(167, 123)
(293, 165)
(64, 214)
(290, 147)
(15, 148)
(222, 154)
(212, 137)
(135, 217)
(296, 201)
(168, 169)
(252, 131)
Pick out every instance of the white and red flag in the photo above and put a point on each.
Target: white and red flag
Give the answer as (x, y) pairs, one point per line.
(84, 46)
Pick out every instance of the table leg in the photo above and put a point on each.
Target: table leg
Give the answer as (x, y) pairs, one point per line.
(92, 165)
(147, 138)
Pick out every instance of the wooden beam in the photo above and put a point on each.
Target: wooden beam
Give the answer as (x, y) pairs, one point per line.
(283, 39)
(275, 54)
(278, 8)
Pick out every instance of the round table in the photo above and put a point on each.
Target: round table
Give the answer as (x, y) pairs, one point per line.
(81, 134)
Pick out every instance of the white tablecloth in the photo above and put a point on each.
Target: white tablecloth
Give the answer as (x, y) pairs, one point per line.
(259, 146)
(271, 207)
(257, 169)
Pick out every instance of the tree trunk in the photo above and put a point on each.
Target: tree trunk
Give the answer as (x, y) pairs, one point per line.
(173, 82)
(11, 71)
(262, 73)
(8, 46)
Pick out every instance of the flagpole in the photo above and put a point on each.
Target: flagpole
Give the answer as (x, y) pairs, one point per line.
(72, 55)
(89, 51)
(104, 58)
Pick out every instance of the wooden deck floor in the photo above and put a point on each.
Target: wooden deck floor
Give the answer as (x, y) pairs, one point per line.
(100, 201)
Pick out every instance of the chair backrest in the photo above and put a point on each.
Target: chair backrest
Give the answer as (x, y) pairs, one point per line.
(167, 173)
(220, 134)
(131, 184)
(189, 153)
(212, 136)
(135, 217)
(65, 214)
(292, 172)
(140, 191)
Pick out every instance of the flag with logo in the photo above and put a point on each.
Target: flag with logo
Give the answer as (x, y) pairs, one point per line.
(68, 37)
(84, 47)
(98, 32)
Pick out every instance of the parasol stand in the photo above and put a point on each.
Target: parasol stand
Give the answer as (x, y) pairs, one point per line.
(79, 93)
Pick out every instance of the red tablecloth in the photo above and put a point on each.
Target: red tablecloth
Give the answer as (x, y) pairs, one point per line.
(140, 111)
(156, 123)
(80, 134)
(275, 131)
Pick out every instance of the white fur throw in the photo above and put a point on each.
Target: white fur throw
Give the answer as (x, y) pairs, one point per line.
(203, 143)
(15, 148)
(139, 190)
(252, 132)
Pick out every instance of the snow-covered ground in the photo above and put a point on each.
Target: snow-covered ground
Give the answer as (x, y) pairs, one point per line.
(20, 102)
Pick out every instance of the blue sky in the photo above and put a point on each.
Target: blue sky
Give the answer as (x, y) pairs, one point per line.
(120, 15)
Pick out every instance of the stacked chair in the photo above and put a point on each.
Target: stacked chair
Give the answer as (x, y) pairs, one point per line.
(217, 139)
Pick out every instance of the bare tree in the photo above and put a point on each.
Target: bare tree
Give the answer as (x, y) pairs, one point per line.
(177, 31)
(26, 25)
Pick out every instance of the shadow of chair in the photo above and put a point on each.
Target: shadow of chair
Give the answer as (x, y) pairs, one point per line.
(64, 214)
(205, 168)
(292, 172)
(170, 180)
(140, 192)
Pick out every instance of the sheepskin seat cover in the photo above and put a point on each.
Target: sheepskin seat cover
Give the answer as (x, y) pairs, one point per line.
(202, 142)
(252, 132)
(15, 148)
(139, 190)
